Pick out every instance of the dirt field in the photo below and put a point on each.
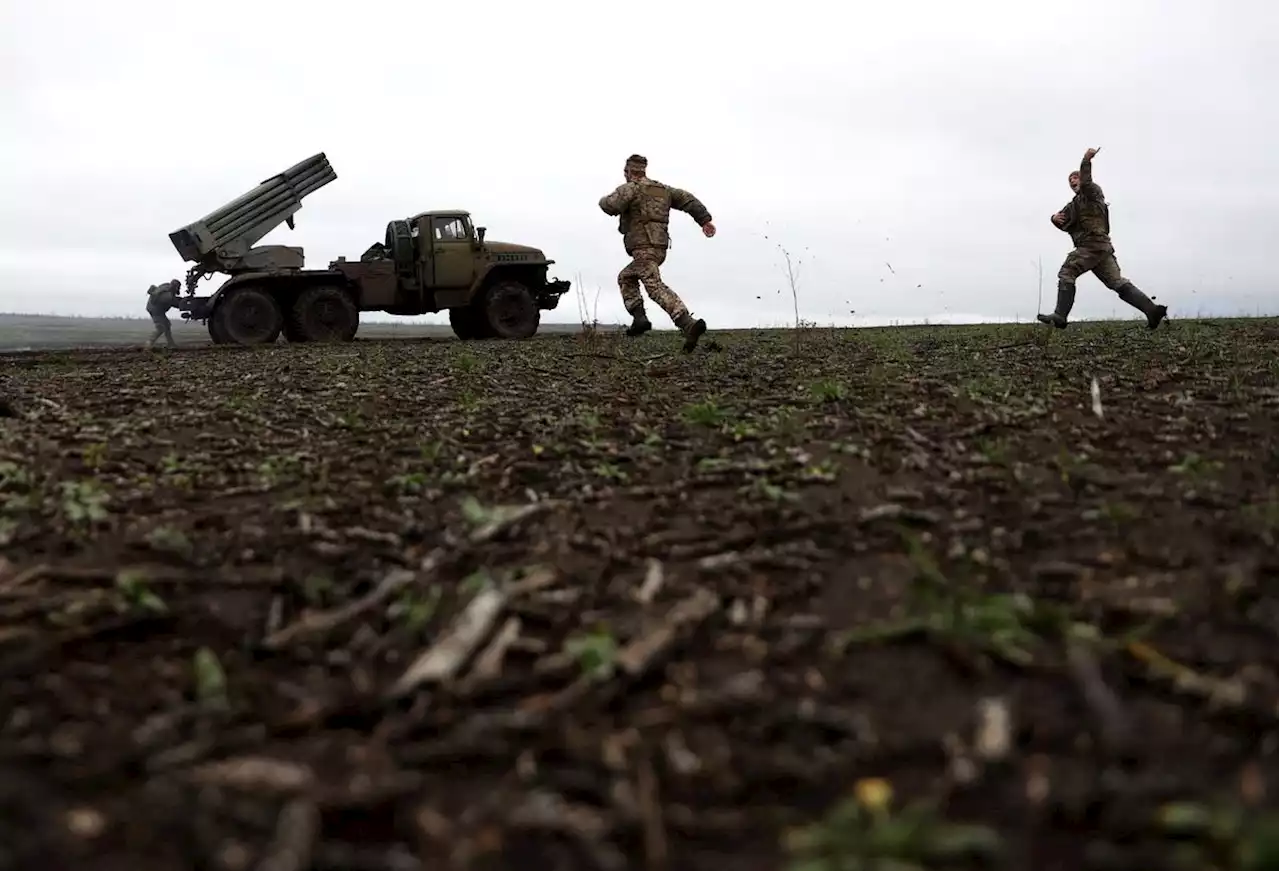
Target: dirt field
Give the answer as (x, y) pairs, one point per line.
(789, 602)
(49, 332)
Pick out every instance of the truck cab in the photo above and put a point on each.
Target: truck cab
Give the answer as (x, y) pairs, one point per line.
(447, 248)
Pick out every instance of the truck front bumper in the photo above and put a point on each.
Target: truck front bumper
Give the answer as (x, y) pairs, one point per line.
(195, 308)
(549, 296)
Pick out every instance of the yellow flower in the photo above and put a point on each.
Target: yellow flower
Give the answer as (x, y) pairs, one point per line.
(873, 793)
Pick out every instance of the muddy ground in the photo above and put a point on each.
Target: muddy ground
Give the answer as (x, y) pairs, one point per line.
(794, 601)
(53, 332)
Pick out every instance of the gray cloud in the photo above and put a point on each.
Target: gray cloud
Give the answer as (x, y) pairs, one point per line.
(935, 138)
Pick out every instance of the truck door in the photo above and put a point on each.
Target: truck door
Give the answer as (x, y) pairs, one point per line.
(452, 256)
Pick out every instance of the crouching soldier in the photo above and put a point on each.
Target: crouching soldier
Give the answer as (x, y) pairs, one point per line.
(161, 298)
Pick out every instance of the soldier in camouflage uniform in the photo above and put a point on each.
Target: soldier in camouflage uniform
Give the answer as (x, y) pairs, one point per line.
(1088, 219)
(643, 207)
(161, 298)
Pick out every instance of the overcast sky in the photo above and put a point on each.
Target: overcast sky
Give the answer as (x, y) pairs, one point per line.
(909, 155)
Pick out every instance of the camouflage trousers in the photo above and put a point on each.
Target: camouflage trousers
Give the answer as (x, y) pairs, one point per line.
(645, 268)
(1098, 259)
(161, 323)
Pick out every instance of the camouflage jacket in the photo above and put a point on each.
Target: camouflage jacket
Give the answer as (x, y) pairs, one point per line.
(644, 209)
(160, 299)
(1088, 216)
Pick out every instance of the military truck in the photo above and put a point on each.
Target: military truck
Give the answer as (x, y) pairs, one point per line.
(431, 262)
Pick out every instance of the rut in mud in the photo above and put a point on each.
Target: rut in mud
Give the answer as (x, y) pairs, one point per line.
(573, 603)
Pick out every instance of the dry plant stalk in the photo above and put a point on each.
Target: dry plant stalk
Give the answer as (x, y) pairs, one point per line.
(588, 314)
(793, 278)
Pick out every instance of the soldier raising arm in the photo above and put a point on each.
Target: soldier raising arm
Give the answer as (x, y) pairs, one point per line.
(1087, 219)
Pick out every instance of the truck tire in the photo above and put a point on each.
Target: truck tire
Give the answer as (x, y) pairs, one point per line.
(324, 314)
(399, 243)
(510, 310)
(247, 316)
(215, 333)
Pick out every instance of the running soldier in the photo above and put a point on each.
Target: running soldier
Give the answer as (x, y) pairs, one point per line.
(161, 298)
(643, 208)
(1087, 219)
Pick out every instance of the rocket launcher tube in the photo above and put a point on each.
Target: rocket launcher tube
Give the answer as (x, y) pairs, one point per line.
(241, 223)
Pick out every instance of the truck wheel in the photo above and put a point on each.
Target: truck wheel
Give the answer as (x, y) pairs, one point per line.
(247, 316)
(214, 333)
(511, 311)
(325, 314)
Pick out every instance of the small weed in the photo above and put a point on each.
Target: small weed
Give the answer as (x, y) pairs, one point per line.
(274, 470)
(478, 514)
(825, 471)
(210, 680)
(713, 464)
(866, 833)
(169, 539)
(610, 472)
(705, 414)
(84, 503)
(134, 593)
(430, 451)
(766, 489)
(476, 582)
(465, 361)
(999, 625)
(827, 391)
(1264, 517)
(92, 455)
(994, 451)
(409, 484)
(1193, 465)
(317, 589)
(416, 609)
(17, 494)
(1219, 835)
(596, 652)
(743, 429)
(1120, 513)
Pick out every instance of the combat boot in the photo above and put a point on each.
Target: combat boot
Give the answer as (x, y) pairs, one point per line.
(639, 324)
(1143, 303)
(1066, 300)
(692, 329)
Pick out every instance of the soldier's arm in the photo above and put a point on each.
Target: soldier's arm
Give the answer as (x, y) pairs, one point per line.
(1087, 185)
(690, 205)
(617, 202)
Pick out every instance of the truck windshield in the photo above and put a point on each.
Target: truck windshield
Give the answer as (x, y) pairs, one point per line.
(449, 229)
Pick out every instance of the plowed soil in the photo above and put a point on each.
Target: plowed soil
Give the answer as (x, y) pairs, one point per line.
(814, 600)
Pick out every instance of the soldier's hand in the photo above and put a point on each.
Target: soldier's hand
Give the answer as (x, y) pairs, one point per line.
(708, 229)
(1058, 219)
(1089, 154)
